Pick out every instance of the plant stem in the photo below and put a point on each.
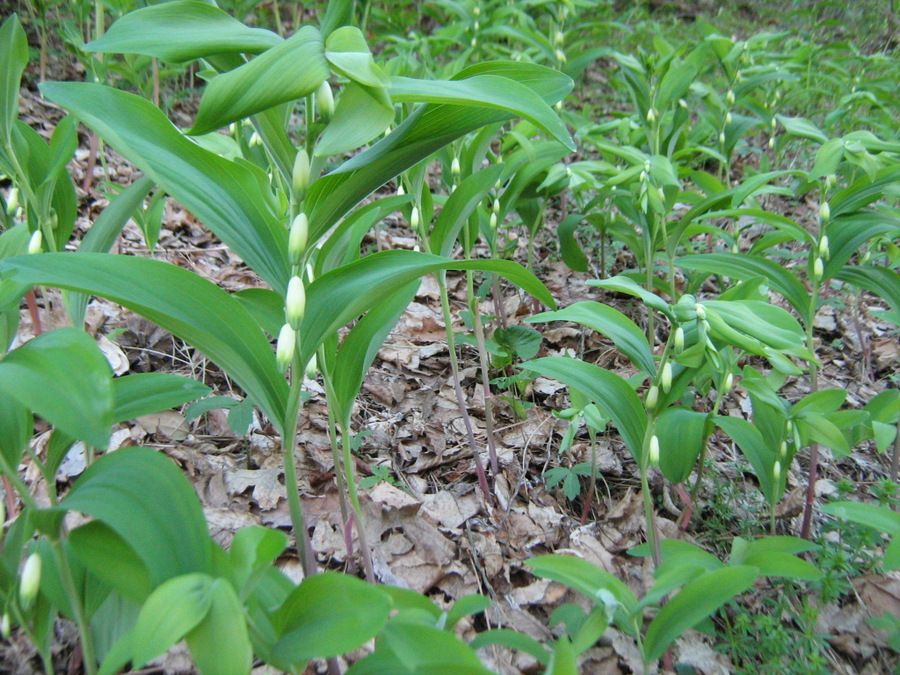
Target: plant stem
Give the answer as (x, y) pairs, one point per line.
(84, 628)
(336, 456)
(813, 387)
(288, 443)
(365, 551)
(708, 429)
(652, 534)
(592, 485)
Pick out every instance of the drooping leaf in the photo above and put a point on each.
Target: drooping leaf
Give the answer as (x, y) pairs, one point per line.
(16, 429)
(627, 337)
(681, 433)
(222, 194)
(144, 393)
(349, 55)
(360, 115)
(286, 72)
(13, 59)
(220, 643)
(180, 31)
(613, 395)
(569, 249)
(182, 302)
(583, 577)
(460, 205)
(870, 515)
(63, 377)
(880, 280)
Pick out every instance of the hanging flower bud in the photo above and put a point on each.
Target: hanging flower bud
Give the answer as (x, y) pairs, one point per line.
(721, 138)
(454, 167)
(477, 11)
(311, 368)
(473, 42)
(35, 244)
(679, 340)
(558, 106)
(729, 97)
(12, 202)
(654, 450)
(325, 100)
(495, 207)
(776, 470)
(728, 118)
(830, 181)
(255, 139)
(701, 311)
(561, 56)
(232, 128)
(728, 383)
(782, 450)
(824, 212)
(30, 581)
(284, 352)
(559, 38)
(651, 116)
(295, 303)
(735, 248)
(824, 251)
(297, 239)
(400, 190)
(771, 143)
(662, 194)
(652, 397)
(5, 626)
(300, 174)
(682, 103)
(665, 379)
(818, 269)
(476, 26)
(493, 221)
(414, 218)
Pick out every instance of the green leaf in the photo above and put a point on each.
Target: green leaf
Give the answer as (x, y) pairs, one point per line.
(341, 295)
(583, 577)
(461, 203)
(524, 343)
(349, 55)
(143, 497)
(563, 661)
(180, 301)
(611, 393)
(326, 615)
(627, 337)
(181, 31)
(778, 564)
(170, 613)
(741, 266)
(16, 429)
(144, 393)
(419, 649)
(112, 559)
(359, 116)
(252, 551)
(513, 639)
(681, 433)
(286, 72)
(696, 601)
(879, 517)
(569, 249)
(63, 377)
(13, 59)
(426, 130)
(220, 643)
(847, 233)
(103, 234)
(623, 284)
(882, 281)
(489, 91)
(466, 605)
(222, 194)
(755, 449)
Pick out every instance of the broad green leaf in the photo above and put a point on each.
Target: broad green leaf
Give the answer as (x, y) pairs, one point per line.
(286, 72)
(755, 449)
(112, 559)
(513, 639)
(63, 377)
(359, 348)
(360, 115)
(627, 337)
(613, 395)
(847, 233)
(870, 515)
(222, 194)
(863, 192)
(743, 267)
(798, 126)
(181, 31)
(425, 131)
(349, 55)
(681, 434)
(520, 341)
(16, 429)
(341, 295)
(180, 301)
(563, 661)
(569, 249)
(583, 577)
(422, 649)
(13, 59)
(144, 393)
(882, 281)
(461, 203)
(780, 544)
(778, 564)
(142, 496)
(220, 643)
(489, 91)
(466, 605)
(252, 550)
(326, 615)
(103, 234)
(623, 284)
(170, 613)
(696, 601)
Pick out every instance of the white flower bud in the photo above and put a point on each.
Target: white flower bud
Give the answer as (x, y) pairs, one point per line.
(255, 139)
(651, 116)
(30, 581)
(728, 118)
(772, 143)
(284, 352)
(311, 368)
(643, 176)
(5, 626)
(824, 251)
(493, 222)
(300, 176)
(729, 97)
(559, 38)
(297, 239)
(721, 138)
(12, 202)
(558, 106)
(414, 219)
(325, 100)
(679, 340)
(654, 450)
(701, 311)
(454, 167)
(561, 56)
(824, 212)
(477, 11)
(652, 398)
(473, 43)
(665, 379)
(682, 103)
(400, 190)
(782, 450)
(818, 269)
(232, 128)
(36, 242)
(476, 26)
(728, 383)
(776, 470)
(295, 303)
(830, 181)
(495, 207)
(662, 194)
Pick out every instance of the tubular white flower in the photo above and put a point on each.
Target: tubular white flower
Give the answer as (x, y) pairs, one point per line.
(824, 212)
(665, 380)
(654, 450)
(325, 100)
(818, 269)
(679, 340)
(30, 581)
(36, 243)
(297, 239)
(287, 343)
(651, 398)
(300, 174)
(414, 218)
(295, 303)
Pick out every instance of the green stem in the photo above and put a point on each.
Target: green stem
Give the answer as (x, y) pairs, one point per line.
(364, 549)
(336, 456)
(707, 432)
(813, 387)
(84, 628)
(652, 534)
(288, 443)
